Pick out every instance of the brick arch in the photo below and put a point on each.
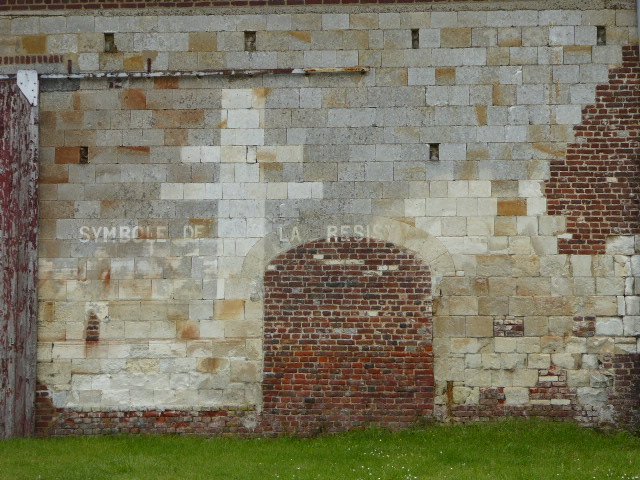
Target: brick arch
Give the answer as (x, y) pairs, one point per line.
(347, 337)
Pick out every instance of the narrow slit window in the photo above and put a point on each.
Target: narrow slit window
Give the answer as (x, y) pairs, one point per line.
(434, 152)
(415, 38)
(110, 43)
(601, 35)
(250, 41)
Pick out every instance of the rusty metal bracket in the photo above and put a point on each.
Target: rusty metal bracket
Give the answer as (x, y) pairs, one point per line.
(27, 81)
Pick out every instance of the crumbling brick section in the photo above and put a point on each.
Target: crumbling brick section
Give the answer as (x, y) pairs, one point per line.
(507, 326)
(551, 398)
(625, 397)
(30, 59)
(58, 422)
(584, 326)
(92, 331)
(597, 185)
(348, 338)
(18, 235)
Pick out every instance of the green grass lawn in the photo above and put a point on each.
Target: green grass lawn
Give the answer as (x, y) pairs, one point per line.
(510, 450)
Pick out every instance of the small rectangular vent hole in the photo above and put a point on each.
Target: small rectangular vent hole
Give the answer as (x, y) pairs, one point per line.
(250, 41)
(84, 155)
(415, 38)
(110, 43)
(434, 152)
(601, 35)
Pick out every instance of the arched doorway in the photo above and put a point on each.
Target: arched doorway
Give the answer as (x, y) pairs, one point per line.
(347, 337)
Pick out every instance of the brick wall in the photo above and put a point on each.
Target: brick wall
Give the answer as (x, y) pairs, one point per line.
(18, 223)
(625, 376)
(347, 338)
(597, 184)
(52, 421)
(550, 398)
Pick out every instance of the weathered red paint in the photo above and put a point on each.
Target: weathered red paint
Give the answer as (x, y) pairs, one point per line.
(18, 232)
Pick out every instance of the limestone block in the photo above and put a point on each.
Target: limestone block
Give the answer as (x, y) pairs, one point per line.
(595, 397)
(445, 326)
(477, 378)
(465, 345)
(536, 326)
(538, 360)
(609, 286)
(621, 266)
(596, 380)
(68, 350)
(533, 286)
(512, 361)
(631, 325)
(479, 327)
(455, 37)
(525, 378)
(505, 344)
(566, 360)
(590, 361)
(243, 329)
(600, 345)
(528, 345)
(473, 360)
(609, 326)
(504, 18)
(421, 76)
(576, 345)
(491, 361)
(501, 378)
(465, 395)
(632, 305)
(625, 346)
(516, 395)
(453, 370)
(551, 344)
(562, 286)
(599, 305)
(244, 371)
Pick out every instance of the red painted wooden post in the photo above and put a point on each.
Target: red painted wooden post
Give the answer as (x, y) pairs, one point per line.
(18, 240)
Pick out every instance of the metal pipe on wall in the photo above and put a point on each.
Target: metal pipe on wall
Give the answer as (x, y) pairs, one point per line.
(199, 73)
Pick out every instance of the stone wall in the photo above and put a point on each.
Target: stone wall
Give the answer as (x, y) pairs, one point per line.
(475, 142)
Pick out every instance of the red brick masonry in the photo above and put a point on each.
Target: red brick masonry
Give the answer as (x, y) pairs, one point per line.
(597, 185)
(30, 59)
(625, 401)
(347, 338)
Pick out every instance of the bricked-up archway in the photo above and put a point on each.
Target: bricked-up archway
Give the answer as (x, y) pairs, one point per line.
(348, 338)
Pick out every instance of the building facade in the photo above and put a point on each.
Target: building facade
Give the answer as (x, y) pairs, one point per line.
(264, 219)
